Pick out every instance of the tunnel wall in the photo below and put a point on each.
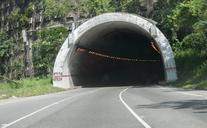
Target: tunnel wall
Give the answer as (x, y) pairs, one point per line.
(61, 74)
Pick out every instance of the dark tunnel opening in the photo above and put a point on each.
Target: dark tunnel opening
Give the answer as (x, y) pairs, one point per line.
(116, 54)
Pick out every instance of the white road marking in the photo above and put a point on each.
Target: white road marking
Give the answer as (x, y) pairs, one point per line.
(190, 94)
(44, 108)
(131, 111)
(185, 93)
(3, 125)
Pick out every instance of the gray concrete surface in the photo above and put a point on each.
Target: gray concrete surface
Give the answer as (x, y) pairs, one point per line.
(159, 107)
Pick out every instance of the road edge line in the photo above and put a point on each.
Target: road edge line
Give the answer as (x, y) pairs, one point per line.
(131, 111)
(44, 108)
(184, 93)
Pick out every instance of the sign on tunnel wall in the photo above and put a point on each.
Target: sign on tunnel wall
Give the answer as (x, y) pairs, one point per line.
(62, 72)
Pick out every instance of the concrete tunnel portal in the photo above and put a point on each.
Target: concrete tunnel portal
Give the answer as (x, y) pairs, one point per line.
(114, 49)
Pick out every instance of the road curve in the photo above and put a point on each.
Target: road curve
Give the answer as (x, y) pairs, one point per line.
(108, 107)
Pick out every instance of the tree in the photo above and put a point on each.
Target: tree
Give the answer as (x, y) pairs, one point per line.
(10, 66)
(186, 15)
(46, 48)
(54, 8)
(96, 7)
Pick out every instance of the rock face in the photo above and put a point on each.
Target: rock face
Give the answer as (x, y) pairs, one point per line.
(64, 68)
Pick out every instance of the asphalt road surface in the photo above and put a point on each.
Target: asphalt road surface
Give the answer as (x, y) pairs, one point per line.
(108, 107)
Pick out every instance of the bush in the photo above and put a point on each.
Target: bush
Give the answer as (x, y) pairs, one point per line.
(197, 41)
(192, 69)
(46, 48)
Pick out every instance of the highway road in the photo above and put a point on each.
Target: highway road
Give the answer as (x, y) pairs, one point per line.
(108, 107)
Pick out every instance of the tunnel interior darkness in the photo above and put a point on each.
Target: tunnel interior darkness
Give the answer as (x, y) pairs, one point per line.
(112, 42)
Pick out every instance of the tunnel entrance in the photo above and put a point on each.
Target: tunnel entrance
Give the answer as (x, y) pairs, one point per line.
(115, 54)
(114, 49)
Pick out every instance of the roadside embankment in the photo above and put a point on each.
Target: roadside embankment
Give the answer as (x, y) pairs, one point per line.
(27, 87)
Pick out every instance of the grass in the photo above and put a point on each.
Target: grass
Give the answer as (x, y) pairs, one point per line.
(192, 69)
(27, 87)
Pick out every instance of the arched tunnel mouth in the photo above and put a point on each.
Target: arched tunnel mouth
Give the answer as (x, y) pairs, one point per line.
(116, 54)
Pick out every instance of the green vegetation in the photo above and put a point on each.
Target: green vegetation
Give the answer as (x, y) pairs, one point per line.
(46, 48)
(96, 7)
(10, 66)
(27, 87)
(55, 8)
(192, 69)
(188, 23)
